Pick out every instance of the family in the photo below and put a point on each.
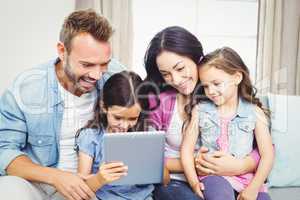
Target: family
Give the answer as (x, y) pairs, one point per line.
(52, 120)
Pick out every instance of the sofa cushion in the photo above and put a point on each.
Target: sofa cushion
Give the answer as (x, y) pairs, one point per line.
(285, 130)
(289, 193)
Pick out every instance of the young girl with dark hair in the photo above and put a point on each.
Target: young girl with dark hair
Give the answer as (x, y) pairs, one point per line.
(228, 118)
(118, 110)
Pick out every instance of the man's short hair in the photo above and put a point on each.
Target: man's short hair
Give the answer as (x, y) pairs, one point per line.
(85, 21)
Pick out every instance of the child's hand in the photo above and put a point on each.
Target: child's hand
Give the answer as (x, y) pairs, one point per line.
(109, 172)
(248, 194)
(197, 188)
(166, 179)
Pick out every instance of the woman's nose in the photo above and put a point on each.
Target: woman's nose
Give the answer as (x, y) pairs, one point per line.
(176, 79)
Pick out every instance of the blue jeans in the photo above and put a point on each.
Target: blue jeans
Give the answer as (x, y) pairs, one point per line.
(175, 190)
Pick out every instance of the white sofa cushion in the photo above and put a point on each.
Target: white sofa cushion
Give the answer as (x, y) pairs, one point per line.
(285, 130)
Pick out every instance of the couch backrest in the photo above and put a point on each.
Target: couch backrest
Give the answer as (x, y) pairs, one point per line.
(285, 133)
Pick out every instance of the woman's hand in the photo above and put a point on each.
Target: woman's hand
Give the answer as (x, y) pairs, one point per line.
(222, 164)
(197, 187)
(109, 172)
(201, 165)
(166, 178)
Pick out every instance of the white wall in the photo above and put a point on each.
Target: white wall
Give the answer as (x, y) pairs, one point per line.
(150, 17)
(230, 23)
(29, 33)
(30, 29)
(216, 23)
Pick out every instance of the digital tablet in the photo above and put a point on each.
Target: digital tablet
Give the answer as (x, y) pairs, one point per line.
(142, 152)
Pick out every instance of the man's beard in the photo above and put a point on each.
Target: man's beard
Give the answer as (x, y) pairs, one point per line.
(72, 77)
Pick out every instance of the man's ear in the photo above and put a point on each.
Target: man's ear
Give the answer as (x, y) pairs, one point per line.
(61, 51)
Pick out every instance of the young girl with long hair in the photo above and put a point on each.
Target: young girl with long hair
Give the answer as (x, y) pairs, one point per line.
(118, 110)
(228, 118)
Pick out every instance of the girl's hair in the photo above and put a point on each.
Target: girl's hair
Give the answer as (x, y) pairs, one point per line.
(229, 61)
(173, 39)
(121, 89)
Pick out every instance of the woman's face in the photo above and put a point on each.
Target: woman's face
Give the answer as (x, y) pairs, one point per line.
(178, 71)
(121, 118)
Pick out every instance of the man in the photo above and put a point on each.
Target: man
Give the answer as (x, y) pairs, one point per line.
(41, 112)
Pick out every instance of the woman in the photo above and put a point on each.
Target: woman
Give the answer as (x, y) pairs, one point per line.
(171, 62)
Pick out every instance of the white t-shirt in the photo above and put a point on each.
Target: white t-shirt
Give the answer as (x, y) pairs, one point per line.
(173, 140)
(77, 111)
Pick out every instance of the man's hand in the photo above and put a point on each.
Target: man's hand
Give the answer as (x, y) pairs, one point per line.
(71, 186)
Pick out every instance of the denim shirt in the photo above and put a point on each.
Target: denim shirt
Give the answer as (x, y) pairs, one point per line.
(240, 128)
(90, 142)
(31, 111)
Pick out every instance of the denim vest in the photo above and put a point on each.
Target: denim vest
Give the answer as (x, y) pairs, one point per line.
(240, 128)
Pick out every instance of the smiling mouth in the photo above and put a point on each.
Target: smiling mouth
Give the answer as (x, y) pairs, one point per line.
(89, 80)
(214, 97)
(87, 83)
(116, 129)
(183, 85)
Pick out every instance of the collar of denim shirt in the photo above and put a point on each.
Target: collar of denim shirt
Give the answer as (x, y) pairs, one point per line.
(242, 110)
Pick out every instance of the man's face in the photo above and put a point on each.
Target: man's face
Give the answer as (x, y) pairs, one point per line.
(85, 64)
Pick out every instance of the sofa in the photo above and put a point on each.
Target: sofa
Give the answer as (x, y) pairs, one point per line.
(284, 179)
(286, 193)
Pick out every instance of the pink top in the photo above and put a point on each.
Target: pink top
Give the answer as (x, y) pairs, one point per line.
(160, 119)
(240, 182)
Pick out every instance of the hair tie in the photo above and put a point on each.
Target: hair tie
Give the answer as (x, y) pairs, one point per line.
(200, 59)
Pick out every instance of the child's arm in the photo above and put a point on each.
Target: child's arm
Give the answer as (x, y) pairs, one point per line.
(85, 163)
(107, 172)
(86, 146)
(264, 143)
(191, 133)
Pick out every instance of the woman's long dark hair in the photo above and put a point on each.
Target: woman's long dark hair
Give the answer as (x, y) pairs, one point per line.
(173, 39)
(121, 89)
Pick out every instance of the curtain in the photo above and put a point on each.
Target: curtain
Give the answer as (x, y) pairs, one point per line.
(278, 47)
(298, 63)
(119, 13)
(269, 45)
